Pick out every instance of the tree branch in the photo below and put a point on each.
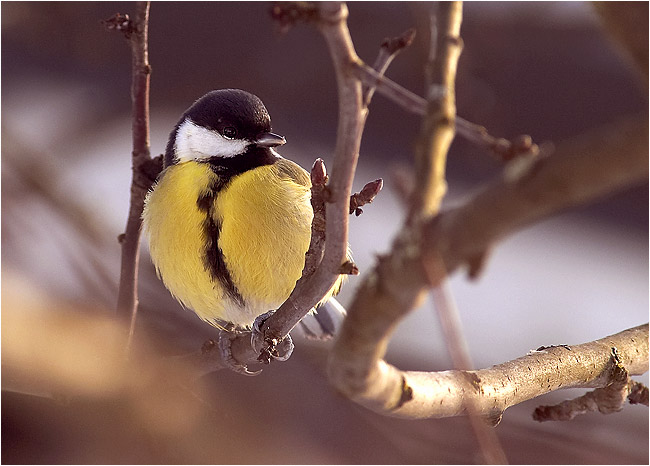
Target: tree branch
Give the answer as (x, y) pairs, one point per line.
(477, 134)
(418, 395)
(326, 258)
(438, 131)
(332, 22)
(356, 367)
(438, 124)
(136, 31)
(583, 170)
(608, 399)
(436, 135)
(420, 257)
(389, 49)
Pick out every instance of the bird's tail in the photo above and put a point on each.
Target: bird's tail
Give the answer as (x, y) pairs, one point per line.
(325, 321)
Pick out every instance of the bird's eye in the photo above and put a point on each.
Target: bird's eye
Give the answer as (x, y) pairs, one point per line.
(229, 132)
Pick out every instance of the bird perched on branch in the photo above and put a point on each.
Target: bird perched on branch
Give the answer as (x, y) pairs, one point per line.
(229, 220)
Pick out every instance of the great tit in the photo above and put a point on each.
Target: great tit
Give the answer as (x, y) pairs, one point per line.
(229, 220)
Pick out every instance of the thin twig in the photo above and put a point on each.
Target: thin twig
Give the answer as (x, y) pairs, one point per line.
(137, 32)
(438, 124)
(390, 48)
(477, 134)
(264, 343)
(314, 254)
(365, 196)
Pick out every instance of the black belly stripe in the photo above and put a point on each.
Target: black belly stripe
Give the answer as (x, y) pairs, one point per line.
(226, 169)
(213, 256)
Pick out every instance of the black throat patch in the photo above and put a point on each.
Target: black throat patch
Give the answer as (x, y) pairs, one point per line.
(228, 167)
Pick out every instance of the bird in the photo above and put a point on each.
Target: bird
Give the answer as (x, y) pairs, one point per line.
(228, 220)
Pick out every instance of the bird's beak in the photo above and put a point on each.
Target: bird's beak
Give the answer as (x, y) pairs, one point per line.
(270, 140)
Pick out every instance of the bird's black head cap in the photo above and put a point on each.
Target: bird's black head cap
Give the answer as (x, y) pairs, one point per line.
(225, 110)
(231, 107)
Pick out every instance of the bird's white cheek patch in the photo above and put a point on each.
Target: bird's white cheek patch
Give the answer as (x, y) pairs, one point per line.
(193, 142)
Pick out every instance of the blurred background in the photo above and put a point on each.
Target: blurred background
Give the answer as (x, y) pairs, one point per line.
(547, 69)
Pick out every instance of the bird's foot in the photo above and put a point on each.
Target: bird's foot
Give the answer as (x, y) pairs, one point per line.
(224, 341)
(269, 347)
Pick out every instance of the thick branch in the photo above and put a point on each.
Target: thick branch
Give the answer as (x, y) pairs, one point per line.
(420, 257)
(581, 171)
(436, 135)
(418, 395)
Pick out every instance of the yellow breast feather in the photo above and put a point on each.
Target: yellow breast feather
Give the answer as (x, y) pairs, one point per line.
(262, 220)
(265, 220)
(175, 229)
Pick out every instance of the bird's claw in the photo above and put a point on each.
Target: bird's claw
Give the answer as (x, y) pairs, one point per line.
(269, 348)
(224, 342)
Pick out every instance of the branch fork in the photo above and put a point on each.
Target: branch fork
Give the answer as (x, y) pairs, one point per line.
(607, 399)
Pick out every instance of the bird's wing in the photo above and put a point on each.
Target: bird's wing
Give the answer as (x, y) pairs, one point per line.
(294, 171)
